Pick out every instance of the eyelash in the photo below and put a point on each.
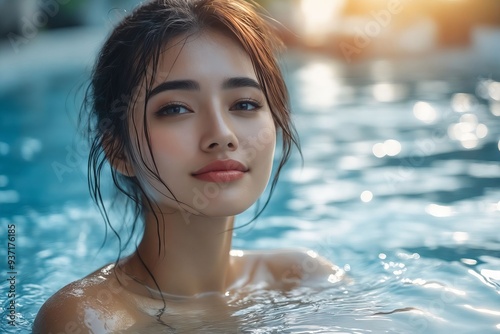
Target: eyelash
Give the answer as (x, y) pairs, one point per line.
(162, 111)
(256, 104)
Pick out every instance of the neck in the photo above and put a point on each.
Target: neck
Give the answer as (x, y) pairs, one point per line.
(185, 258)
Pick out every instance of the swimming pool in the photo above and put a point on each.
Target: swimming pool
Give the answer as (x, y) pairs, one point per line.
(400, 187)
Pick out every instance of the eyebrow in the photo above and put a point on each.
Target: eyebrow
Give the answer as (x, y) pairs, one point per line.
(240, 82)
(231, 83)
(174, 85)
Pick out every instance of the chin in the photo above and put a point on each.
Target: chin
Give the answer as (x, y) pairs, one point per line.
(214, 199)
(221, 208)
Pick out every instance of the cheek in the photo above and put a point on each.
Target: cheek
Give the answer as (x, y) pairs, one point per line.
(168, 148)
(259, 143)
(269, 140)
(173, 142)
(265, 136)
(268, 137)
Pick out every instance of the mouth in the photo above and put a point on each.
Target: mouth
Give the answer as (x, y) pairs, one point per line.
(221, 171)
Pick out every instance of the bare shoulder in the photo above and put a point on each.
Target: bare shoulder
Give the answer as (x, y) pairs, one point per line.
(86, 305)
(298, 266)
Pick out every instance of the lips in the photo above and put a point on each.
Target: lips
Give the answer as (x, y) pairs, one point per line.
(221, 171)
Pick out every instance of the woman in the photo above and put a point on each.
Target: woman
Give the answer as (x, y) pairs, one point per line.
(186, 100)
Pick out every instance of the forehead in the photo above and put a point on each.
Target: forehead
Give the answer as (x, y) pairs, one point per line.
(210, 55)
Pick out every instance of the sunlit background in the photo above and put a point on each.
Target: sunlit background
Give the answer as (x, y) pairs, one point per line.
(397, 103)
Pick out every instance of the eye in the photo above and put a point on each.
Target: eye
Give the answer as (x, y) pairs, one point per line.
(172, 109)
(246, 105)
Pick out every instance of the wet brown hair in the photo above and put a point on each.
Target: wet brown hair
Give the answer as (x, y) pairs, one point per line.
(128, 61)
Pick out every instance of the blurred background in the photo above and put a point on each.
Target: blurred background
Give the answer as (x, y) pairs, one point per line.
(397, 103)
(342, 52)
(340, 27)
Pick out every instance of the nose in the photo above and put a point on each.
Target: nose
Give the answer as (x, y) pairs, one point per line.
(218, 133)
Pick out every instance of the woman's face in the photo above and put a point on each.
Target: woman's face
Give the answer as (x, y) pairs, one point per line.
(205, 106)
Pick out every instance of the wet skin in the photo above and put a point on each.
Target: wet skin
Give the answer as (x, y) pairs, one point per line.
(206, 105)
(107, 300)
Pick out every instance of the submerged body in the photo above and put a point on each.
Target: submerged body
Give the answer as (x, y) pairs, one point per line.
(109, 300)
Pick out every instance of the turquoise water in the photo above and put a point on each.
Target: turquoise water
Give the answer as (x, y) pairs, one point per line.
(400, 187)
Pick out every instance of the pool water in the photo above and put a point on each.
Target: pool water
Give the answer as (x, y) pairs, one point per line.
(400, 187)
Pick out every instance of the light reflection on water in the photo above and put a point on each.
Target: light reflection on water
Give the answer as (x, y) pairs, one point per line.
(400, 187)
(389, 92)
(425, 112)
